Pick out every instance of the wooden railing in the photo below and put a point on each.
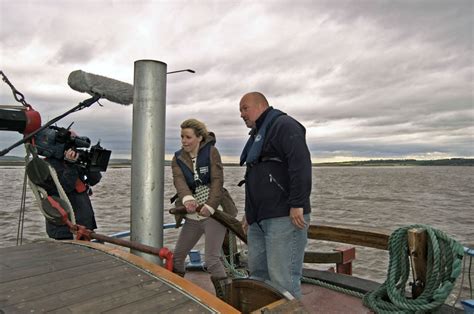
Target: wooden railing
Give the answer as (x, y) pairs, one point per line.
(348, 234)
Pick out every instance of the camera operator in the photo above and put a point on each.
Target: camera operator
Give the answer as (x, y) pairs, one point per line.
(76, 182)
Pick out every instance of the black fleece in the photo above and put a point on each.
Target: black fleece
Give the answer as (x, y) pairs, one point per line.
(273, 187)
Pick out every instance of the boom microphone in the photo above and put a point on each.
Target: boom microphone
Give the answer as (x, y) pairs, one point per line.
(110, 89)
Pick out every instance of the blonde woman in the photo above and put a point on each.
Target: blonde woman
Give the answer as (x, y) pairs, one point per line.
(198, 178)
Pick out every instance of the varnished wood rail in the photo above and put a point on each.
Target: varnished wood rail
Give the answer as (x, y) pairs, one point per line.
(355, 235)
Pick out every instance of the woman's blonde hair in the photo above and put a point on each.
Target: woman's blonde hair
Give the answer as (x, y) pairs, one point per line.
(198, 127)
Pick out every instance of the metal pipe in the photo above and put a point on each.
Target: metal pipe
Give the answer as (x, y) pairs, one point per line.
(160, 253)
(148, 154)
(187, 70)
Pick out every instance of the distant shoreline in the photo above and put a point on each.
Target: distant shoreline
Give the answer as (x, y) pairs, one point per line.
(124, 163)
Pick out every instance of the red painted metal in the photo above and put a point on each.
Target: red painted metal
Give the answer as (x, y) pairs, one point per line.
(163, 253)
(167, 255)
(33, 120)
(82, 233)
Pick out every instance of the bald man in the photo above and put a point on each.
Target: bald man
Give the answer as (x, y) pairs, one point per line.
(277, 193)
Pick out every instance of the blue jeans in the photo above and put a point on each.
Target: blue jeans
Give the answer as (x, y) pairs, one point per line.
(276, 252)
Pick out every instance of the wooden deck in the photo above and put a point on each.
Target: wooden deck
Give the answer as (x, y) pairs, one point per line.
(63, 277)
(83, 277)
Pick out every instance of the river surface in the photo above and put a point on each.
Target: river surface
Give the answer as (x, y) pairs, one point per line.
(382, 197)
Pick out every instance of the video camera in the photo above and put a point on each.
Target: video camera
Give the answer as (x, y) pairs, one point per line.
(53, 141)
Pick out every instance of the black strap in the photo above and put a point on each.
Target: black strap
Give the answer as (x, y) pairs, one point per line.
(173, 198)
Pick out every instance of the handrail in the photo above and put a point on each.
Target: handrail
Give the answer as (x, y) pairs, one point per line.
(350, 234)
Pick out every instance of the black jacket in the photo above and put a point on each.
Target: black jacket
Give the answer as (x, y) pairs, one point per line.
(282, 178)
(68, 174)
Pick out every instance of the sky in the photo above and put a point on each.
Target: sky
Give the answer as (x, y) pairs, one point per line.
(368, 79)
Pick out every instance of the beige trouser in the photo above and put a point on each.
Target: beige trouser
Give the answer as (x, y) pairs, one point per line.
(190, 234)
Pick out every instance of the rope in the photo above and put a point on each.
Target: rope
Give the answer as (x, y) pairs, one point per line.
(21, 214)
(62, 195)
(231, 267)
(444, 257)
(236, 273)
(332, 287)
(41, 194)
(462, 283)
(470, 277)
(469, 274)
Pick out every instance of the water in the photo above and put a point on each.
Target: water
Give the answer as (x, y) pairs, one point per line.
(383, 197)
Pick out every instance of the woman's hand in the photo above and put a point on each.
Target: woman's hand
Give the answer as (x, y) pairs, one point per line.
(205, 212)
(191, 206)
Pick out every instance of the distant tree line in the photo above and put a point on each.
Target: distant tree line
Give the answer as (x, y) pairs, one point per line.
(18, 161)
(401, 162)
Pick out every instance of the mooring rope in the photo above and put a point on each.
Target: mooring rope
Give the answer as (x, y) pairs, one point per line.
(323, 284)
(444, 262)
(230, 266)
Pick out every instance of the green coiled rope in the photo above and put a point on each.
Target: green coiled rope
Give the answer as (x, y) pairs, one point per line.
(230, 266)
(444, 257)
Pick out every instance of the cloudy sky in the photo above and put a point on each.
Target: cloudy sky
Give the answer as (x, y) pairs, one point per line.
(368, 79)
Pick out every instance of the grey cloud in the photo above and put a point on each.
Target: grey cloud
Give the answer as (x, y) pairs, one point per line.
(76, 52)
(381, 150)
(388, 69)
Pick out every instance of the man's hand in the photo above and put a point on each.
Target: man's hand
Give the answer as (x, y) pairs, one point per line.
(71, 155)
(244, 223)
(296, 216)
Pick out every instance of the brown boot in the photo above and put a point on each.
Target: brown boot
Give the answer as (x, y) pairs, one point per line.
(220, 286)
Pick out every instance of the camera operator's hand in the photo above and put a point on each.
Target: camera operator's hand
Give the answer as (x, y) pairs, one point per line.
(71, 155)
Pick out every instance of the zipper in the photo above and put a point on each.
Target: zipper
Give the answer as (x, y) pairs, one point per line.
(273, 180)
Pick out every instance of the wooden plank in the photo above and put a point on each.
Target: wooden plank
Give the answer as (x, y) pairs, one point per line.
(37, 251)
(59, 297)
(159, 302)
(33, 247)
(323, 257)
(54, 264)
(357, 235)
(22, 259)
(418, 251)
(19, 255)
(189, 306)
(204, 297)
(114, 299)
(41, 289)
(17, 286)
(45, 286)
